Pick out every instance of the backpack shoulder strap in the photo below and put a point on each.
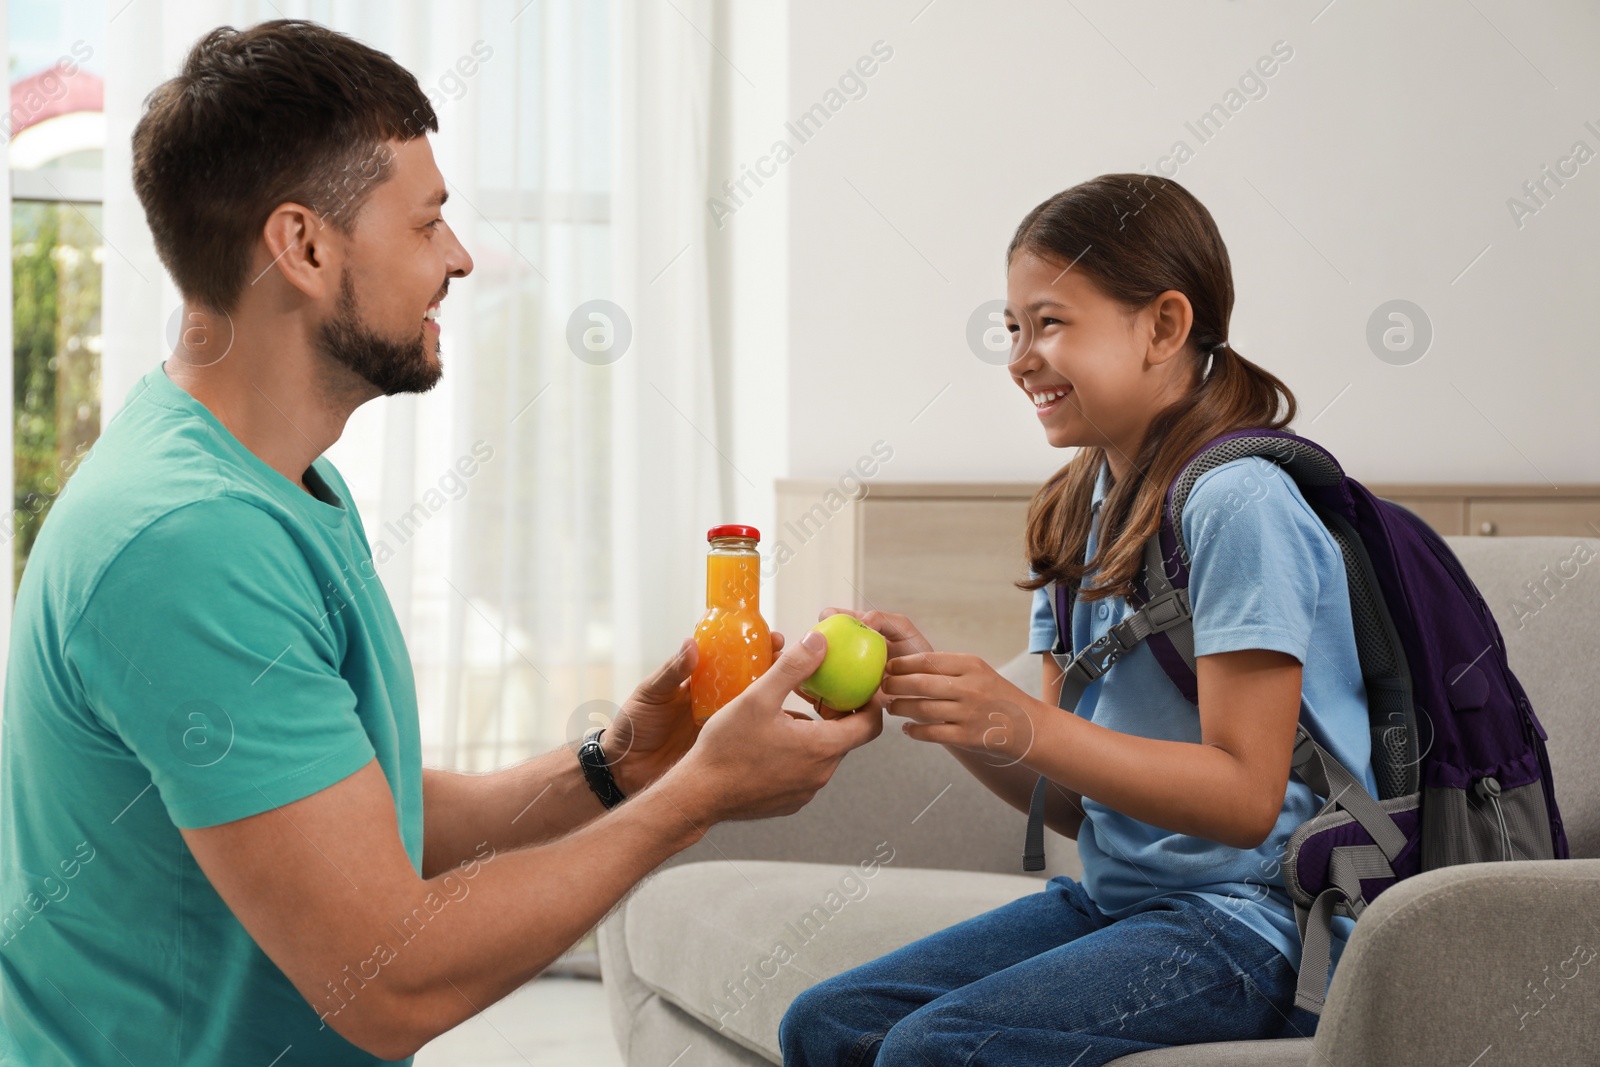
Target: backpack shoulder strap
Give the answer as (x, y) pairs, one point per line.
(1174, 647)
(1165, 611)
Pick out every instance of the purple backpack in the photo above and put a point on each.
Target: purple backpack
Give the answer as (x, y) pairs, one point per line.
(1460, 761)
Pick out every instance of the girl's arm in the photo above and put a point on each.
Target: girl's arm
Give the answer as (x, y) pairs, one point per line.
(1014, 782)
(1228, 787)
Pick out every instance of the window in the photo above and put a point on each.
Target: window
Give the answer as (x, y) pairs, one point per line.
(55, 133)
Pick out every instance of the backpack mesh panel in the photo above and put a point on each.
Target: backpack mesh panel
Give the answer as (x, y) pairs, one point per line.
(1386, 705)
(1372, 643)
(1393, 763)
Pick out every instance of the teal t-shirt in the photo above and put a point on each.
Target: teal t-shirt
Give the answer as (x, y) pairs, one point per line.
(1264, 573)
(196, 640)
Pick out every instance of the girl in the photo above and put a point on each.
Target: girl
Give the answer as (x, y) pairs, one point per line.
(1119, 292)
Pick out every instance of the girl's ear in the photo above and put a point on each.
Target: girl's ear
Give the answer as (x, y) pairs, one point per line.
(1171, 316)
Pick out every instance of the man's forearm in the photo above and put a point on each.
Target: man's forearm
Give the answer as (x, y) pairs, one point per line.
(527, 803)
(511, 914)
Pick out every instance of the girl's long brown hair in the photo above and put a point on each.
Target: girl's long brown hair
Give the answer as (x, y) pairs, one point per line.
(1136, 236)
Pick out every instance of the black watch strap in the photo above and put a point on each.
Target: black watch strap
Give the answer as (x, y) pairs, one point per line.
(596, 771)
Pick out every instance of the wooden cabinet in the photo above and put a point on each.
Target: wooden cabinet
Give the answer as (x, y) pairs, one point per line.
(1502, 510)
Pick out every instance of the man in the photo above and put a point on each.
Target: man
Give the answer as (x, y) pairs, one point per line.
(218, 843)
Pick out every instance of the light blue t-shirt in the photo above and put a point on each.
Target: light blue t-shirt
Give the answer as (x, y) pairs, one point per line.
(1264, 573)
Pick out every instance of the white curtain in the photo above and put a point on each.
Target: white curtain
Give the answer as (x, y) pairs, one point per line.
(535, 591)
(670, 464)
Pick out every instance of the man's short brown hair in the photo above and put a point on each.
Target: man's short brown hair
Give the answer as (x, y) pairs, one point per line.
(283, 111)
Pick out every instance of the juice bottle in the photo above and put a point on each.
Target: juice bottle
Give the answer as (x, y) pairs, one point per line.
(735, 644)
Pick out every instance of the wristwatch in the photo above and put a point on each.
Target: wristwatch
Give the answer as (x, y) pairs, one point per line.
(596, 771)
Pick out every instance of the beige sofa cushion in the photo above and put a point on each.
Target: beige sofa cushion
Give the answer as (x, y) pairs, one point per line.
(734, 942)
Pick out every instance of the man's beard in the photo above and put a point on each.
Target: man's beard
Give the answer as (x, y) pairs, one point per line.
(391, 366)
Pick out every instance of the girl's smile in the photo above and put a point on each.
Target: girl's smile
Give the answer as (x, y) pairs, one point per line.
(1047, 399)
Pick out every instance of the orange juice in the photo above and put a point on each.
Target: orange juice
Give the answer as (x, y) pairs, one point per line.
(735, 644)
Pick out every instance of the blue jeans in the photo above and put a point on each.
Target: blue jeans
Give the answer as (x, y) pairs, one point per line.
(1051, 980)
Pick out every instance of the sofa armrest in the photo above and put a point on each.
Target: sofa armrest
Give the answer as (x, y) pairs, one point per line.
(1451, 963)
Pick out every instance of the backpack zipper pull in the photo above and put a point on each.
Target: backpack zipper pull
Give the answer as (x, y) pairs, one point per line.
(1489, 789)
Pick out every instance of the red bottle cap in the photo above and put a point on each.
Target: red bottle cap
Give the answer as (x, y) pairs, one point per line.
(733, 531)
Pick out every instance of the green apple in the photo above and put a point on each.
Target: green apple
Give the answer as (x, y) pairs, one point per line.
(853, 668)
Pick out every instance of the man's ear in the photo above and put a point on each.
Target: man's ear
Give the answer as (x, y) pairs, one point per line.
(1171, 316)
(300, 247)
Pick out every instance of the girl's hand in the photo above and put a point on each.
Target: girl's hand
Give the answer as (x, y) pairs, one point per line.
(960, 701)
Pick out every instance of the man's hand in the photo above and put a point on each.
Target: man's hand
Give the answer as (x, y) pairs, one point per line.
(755, 760)
(656, 725)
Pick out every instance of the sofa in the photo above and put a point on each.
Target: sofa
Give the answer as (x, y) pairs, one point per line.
(1471, 965)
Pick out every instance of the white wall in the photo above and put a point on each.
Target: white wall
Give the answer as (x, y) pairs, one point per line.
(1377, 166)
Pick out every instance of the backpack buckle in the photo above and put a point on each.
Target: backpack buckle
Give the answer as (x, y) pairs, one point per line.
(1167, 610)
(1098, 657)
